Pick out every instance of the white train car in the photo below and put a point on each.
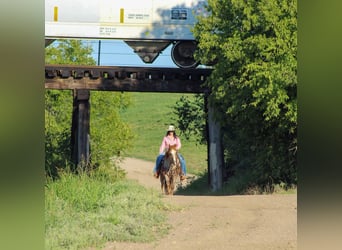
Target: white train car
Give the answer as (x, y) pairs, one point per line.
(148, 26)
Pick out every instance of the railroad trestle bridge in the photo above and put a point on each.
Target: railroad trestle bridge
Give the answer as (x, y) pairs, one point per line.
(83, 79)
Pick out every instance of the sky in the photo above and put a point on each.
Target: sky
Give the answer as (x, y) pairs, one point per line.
(118, 53)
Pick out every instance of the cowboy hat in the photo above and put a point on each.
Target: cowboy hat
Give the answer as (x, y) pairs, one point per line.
(171, 128)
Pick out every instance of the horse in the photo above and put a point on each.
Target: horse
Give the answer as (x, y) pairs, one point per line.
(169, 170)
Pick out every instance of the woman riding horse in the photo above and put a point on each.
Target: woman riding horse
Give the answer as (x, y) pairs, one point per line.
(170, 139)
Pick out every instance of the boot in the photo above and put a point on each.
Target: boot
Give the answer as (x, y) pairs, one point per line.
(157, 173)
(182, 177)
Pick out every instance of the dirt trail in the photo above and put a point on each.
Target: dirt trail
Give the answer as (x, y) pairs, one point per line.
(248, 222)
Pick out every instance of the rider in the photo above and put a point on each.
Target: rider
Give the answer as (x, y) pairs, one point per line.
(170, 139)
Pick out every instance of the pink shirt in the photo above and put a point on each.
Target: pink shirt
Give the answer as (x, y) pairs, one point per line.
(169, 141)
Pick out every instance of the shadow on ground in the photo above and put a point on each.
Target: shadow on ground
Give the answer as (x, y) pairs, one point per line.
(198, 186)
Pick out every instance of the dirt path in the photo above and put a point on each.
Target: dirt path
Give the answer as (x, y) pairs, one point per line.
(249, 222)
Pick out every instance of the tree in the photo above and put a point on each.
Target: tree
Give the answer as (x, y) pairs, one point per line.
(253, 84)
(72, 52)
(110, 136)
(191, 117)
(57, 130)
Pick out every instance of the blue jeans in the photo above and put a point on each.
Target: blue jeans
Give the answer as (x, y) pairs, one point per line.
(161, 156)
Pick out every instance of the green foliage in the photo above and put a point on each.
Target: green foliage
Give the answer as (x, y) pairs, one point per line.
(109, 135)
(90, 209)
(253, 84)
(191, 117)
(72, 52)
(57, 130)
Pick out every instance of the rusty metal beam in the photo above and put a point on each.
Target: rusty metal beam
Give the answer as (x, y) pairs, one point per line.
(135, 79)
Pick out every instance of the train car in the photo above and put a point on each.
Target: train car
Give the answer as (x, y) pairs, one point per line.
(148, 26)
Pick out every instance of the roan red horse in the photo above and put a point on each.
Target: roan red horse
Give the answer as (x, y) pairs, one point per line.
(170, 170)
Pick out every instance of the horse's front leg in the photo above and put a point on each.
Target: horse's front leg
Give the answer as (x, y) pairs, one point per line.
(162, 182)
(166, 184)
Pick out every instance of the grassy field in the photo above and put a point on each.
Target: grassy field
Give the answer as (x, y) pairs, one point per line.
(89, 210)
(149, 116)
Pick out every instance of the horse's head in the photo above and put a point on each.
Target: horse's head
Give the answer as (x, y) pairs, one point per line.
(171, 154)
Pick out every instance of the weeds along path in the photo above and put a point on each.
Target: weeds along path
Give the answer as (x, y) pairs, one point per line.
(254, 222)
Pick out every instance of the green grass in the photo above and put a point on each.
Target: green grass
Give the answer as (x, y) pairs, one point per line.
(149, 116)
(88, 211)
(85, 210)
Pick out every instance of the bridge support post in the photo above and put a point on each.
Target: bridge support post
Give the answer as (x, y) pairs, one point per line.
(80, 128)
(215, 151)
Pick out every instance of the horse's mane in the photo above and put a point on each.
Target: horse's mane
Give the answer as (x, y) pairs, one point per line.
(171, 148)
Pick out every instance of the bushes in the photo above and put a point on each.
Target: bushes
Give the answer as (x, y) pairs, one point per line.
(90, 209)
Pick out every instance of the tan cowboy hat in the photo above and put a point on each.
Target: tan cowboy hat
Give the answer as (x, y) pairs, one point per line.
(171, 128)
